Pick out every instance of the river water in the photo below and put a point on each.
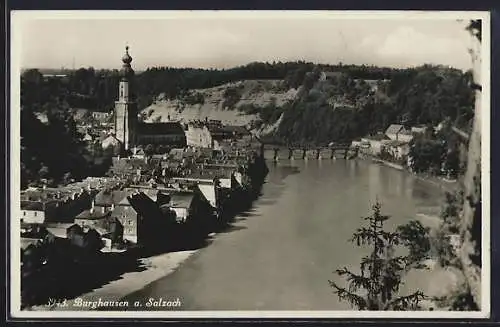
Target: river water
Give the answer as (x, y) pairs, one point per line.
(280, 254)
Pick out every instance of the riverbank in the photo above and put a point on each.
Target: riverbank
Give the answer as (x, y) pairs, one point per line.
(440, 182)
(155, 268)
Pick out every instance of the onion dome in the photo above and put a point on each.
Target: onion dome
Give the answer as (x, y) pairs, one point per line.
(127, 59)
(126, 70)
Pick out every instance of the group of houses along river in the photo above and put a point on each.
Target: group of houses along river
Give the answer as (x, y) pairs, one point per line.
(197, 176)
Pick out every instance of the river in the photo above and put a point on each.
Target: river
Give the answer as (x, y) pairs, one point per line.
(280, 254)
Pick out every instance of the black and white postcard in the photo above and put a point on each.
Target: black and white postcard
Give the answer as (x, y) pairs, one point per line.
(250, 164)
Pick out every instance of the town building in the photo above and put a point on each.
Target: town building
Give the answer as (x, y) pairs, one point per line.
(417, 130)
(102, 222)
(87, 137)
(92, 218)
(129, 219)
(34, 235)
(53, 205)
(79, 114)
(198, 135)
(33, 212)
(220, 132)
(374, 144)
(398, 150)
(86, 238)
(112, 143)
(170, 134)
(141, 218)
(398, 132)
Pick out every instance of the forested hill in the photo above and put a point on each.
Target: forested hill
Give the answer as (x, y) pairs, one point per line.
(314, 105)
(347, 107)
(420, 95)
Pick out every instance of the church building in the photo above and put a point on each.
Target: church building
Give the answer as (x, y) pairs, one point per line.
(127, 128)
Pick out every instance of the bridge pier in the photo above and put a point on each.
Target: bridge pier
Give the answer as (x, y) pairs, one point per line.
(306, 154)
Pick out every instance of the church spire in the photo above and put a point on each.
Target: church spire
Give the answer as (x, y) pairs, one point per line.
(127, 59)
(125, 107)
(127, 70)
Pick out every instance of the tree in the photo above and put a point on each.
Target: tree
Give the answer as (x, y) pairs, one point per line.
(149, 150)
(378, 285)
(427, 154)
(452, 162)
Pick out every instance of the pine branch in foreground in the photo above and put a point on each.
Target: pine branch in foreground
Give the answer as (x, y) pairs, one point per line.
(377, 286)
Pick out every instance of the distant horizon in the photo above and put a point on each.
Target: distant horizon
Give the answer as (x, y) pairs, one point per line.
(238, 66)
(224, 39)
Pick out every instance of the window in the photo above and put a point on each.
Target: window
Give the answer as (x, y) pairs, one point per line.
(35, 213)
(24, 213)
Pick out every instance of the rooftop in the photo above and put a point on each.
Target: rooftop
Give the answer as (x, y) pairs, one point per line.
(394, 129)
(228, 129)
(110, 140)
(160, 128)
(181, 200)
(32, 205)
(396, 143)
(108, 197)
(92, 214)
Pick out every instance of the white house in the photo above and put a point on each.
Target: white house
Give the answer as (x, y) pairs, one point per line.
(87, 137)
(397, 149)
(198, 135)
(32, 212)
(374, 144)
(110, 141)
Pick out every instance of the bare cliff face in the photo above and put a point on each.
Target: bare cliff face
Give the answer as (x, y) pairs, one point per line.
(217, 102)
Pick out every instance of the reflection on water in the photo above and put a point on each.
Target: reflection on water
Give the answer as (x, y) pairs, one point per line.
(295, 237)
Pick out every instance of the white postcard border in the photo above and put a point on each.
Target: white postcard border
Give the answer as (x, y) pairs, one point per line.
(19, 17)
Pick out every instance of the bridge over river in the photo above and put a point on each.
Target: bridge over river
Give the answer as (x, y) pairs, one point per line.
(280, 152)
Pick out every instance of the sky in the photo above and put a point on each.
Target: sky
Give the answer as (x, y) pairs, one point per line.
(224, 39)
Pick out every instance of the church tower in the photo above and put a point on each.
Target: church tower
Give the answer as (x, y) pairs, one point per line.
(125, 107)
